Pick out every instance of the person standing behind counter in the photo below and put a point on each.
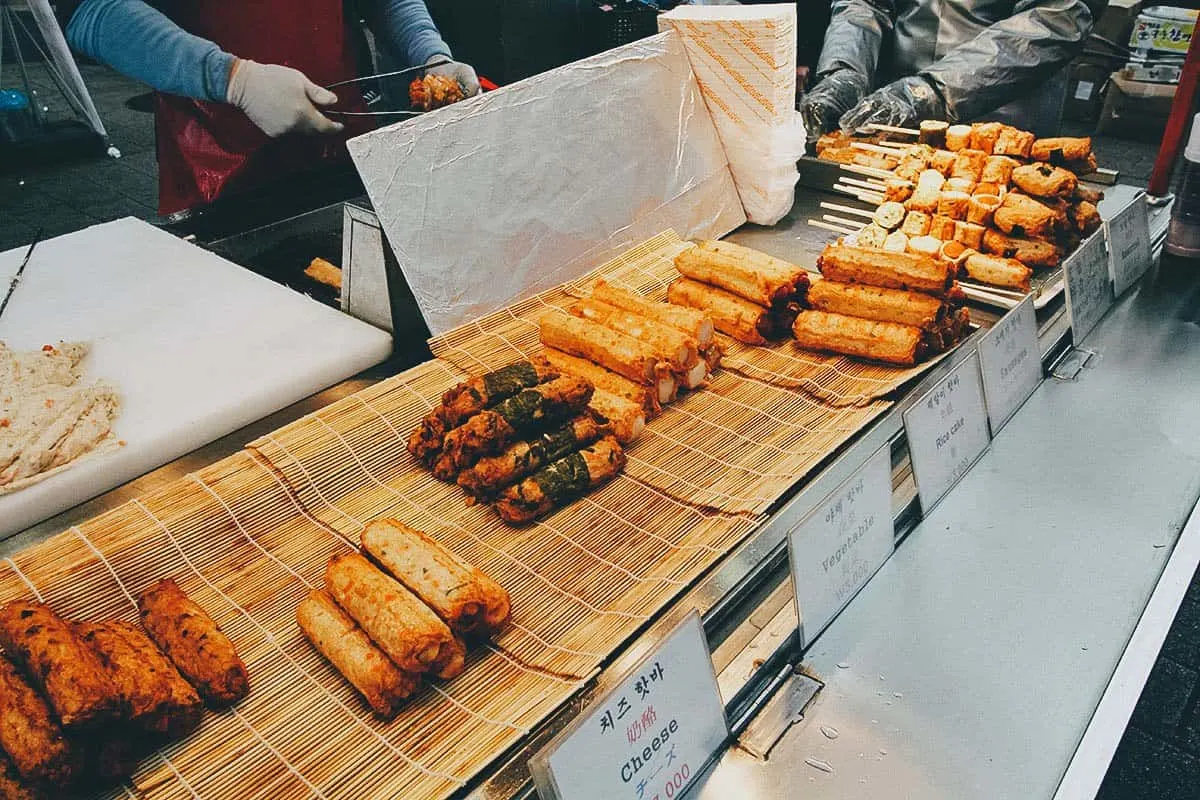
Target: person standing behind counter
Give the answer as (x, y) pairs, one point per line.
(239, 85)
(957, 61)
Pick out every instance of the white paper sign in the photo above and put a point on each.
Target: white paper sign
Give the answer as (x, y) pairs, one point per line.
(1089, 290)
(947, 431)
(838, 547)
(1129, 250)
(648, 738)
(1010, 362)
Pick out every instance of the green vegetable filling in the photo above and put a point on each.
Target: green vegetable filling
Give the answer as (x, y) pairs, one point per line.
(507, 381)
(565, 479)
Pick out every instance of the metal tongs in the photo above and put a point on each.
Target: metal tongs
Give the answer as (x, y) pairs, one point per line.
(396, 74)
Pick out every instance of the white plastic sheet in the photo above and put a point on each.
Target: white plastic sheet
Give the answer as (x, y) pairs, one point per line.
(512, 192)
(744, 58)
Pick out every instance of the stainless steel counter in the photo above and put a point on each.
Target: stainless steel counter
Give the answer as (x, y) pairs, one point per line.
(975, 660)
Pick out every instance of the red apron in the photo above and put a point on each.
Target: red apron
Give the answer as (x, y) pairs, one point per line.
(205, 148)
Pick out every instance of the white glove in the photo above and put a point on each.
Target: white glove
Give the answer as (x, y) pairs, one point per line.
(279, 99)
(463, 73)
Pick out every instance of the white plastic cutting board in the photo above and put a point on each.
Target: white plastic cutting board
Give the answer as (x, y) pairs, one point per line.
(196, 345)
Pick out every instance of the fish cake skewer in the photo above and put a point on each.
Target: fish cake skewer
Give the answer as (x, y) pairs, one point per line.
(194, 643)
(650, 398)
(688, 320)
(63, 667)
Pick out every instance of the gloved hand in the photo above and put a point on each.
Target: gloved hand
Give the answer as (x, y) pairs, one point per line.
(836, 94)
(279, 99)
(463, 73)
(902, 103)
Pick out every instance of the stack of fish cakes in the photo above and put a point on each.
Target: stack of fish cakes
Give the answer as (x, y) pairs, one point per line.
(405, 613)
(527, 438)
(751, 296)
(81, 703)
(896, 308)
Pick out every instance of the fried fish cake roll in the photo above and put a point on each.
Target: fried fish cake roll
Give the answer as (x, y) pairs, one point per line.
(29, 733)
(462, 595)
(1013, 142)
(982, 208)
(933, 132)
(397, 621)
(889, 270)
(998, 271)
(895, 242)
(969, 164)
(12, 787)
(969, 234)
(941, 228)
(625, 418)
(961, 185)
(674, 347)
(1022, 215)
(916, 223)
(984, 135)
(897, 190)
(998, 170)
(491, 431)
(942, 161)
(63, 667)
(1061, 148)
(472, 396)
(1085, 217)
(650, 398)
(732, 315)
(382, 684)
(925, 246)
(1031, 252)
(876, 303)
(953, 204)
(195, 644)
(611, 349)
(864, 338)
(159, 698)
(561, 482)
(739, 272)
(695, 324)
(492, 473)
(1044, 180)
(873, 235)
(958, 137)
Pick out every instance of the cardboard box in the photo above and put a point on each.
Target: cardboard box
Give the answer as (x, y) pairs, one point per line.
(1136, 110)
(1085, 90)
(1116, 21)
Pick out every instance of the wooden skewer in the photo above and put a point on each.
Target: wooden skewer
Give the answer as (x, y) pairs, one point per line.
(874, 126)
(870, 186)
(880, 149)
(872, 198)
(851, 223)
(860, 212)
(871, 172)
(816, 223)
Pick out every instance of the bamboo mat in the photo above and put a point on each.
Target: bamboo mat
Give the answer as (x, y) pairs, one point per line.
(250, 535)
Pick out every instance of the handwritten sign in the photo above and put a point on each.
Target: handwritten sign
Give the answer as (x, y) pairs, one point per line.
(648, 738)
(838, 547)
(1089, 291)
(947, 431)
(1129, 250)
(1011, 362)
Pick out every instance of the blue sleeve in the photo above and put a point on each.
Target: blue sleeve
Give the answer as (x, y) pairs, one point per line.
(141, 42)
(410, 31)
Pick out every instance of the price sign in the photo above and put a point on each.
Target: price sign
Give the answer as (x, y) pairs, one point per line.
(1129, 251)
(1010, 362)
(838, 547)
(1089, 291)
(947, 431)
(648, 738)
